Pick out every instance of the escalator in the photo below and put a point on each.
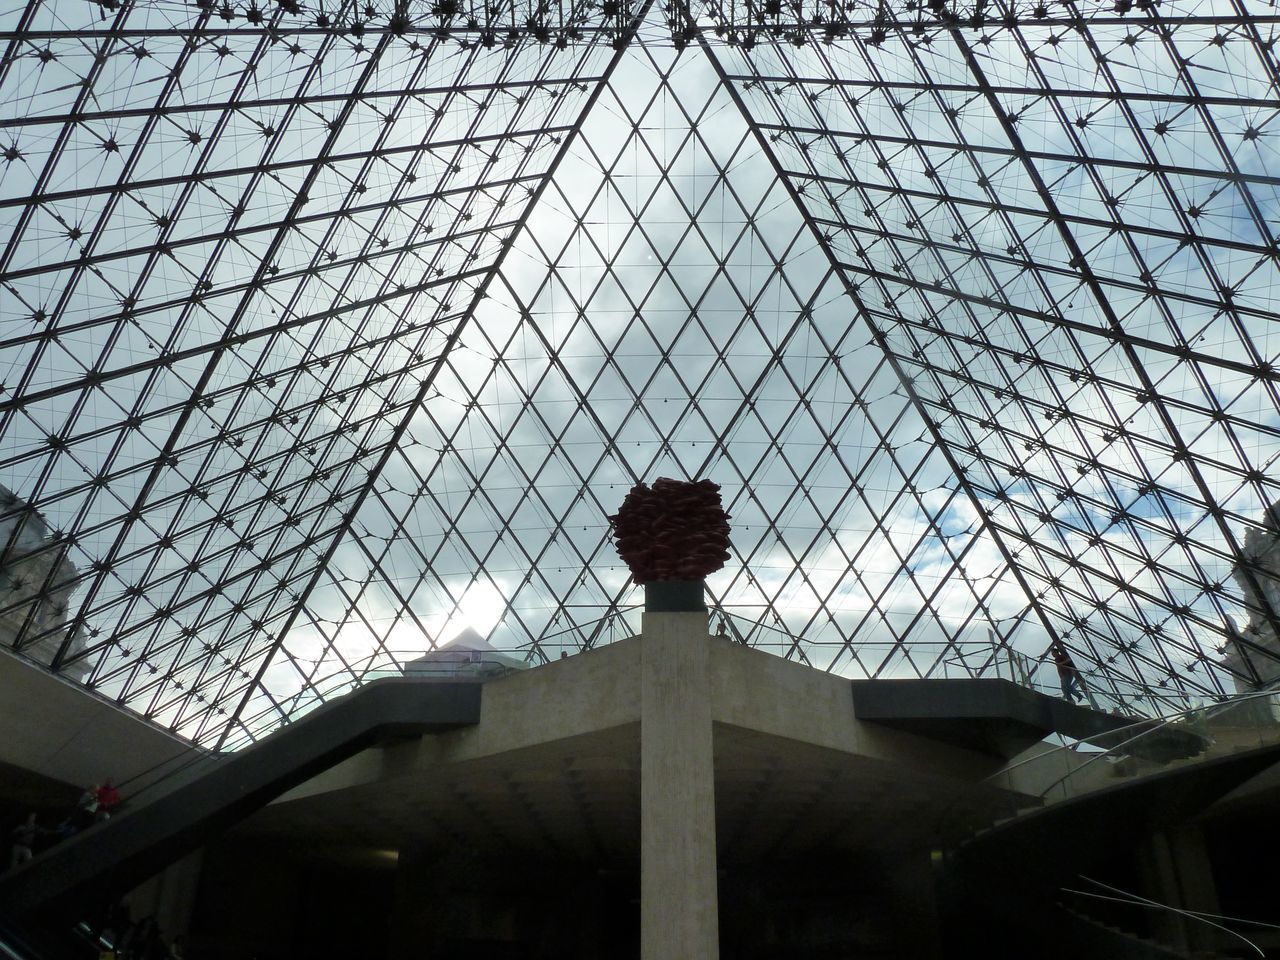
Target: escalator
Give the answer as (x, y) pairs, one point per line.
(64, 884)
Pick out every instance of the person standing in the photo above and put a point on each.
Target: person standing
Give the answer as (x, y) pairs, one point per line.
(87, 807)
(1068, 673)
(108, 799)
(24, 841)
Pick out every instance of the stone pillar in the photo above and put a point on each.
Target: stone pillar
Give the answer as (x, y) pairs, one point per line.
(1178, 872)
(452, 896)
(679, 913)
(170, 896)
(419, 900)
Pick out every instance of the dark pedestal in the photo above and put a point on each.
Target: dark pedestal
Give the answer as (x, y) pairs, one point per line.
(675, 596)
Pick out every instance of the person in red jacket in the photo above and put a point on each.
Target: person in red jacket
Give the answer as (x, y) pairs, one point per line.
(108, 799)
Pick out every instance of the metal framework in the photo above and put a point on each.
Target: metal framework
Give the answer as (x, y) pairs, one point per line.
(328, 331)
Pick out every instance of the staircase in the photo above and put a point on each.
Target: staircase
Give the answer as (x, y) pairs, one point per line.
(97, 866)
(1001, 889)
(1119, 941)
(1197, 736)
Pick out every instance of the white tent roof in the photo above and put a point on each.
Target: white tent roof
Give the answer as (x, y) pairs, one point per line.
(467, 647)
(468, 639)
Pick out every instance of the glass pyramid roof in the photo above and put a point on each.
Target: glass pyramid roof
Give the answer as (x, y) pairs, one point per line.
(330, 331)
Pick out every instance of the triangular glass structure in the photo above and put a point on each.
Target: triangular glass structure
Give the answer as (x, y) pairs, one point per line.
(330, 333)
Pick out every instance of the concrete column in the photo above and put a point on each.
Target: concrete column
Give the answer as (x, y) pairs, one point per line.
(679, 913)
(170, 896)
(419, 900)
(1179, 873)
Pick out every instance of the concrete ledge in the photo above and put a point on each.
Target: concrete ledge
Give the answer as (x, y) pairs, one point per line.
(989, 715)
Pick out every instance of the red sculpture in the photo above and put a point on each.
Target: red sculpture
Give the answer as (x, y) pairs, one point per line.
(674, 530)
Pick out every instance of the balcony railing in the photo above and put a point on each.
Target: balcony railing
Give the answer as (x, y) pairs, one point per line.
(1208, 731)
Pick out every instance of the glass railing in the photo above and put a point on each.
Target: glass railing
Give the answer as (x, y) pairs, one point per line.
(621, 623)
(964, 659)
(197, 761)
(474, 666)
(1055, 772)
(441, 664)
(1101, 692)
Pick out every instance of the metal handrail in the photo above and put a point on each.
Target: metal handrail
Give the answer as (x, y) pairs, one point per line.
(1000, 661)
(340, 682)
(1133, 899)
(343, 679)
(1147, 729)
(1163, 724)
